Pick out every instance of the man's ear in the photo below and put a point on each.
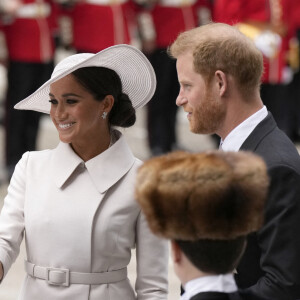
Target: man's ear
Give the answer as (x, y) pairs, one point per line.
(221, 82)
(176, 252)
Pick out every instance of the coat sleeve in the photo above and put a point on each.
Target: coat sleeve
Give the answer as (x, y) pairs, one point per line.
(152, 264)
(279, 239)
(12, 217)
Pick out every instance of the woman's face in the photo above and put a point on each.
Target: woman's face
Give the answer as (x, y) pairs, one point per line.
(75, 113)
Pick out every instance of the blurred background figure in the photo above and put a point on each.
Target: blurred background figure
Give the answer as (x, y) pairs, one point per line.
(294, 86)
(160, 21)
(270, 23)
(28, 27)
(3, 55)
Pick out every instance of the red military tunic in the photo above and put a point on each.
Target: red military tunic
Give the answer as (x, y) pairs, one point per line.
(274, 13)
(29, 33)
(170, 17)
(98, 24)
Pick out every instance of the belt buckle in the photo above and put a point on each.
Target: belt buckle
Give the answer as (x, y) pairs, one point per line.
(65, 271)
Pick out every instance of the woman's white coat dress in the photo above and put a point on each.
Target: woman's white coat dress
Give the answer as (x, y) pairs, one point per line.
(81, 216)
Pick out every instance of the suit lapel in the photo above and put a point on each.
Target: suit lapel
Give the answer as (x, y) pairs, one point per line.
(261, 130)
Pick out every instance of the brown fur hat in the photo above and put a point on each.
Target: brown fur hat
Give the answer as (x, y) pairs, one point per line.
(212, 195)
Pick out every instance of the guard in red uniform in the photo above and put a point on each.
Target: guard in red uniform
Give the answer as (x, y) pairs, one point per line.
(160, 23)
(30, 44)
(268, 23)
(98, 24)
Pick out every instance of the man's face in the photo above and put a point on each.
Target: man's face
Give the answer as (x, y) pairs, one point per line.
(205, 110)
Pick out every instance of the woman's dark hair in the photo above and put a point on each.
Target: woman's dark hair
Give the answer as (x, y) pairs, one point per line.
(214, 256)
(100, 82)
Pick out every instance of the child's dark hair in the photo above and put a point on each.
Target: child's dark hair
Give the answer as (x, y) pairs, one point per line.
(214, 256)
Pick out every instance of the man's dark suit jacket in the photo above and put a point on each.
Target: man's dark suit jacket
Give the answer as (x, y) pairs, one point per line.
(270, 267)
(216, 296)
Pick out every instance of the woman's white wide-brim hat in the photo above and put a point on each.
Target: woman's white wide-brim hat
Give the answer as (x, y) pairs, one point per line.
(135, 71)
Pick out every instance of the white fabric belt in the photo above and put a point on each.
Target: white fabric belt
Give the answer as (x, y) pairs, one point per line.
(105, 2)
(65, 277)
(34, 10)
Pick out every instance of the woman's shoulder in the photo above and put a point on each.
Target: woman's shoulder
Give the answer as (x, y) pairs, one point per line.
(40, 154)
(39, 157)
(33, 162)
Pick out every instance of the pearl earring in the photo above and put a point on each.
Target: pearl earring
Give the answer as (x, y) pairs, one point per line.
(104, 115)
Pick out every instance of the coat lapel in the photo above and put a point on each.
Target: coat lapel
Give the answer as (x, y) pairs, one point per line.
(63, 163)
(111, 165)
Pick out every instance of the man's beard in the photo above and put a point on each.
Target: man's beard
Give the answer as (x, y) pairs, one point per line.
(208, 116)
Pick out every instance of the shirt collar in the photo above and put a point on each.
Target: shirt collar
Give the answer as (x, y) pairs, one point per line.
(239, 134)
(215, 283)
(105, 169)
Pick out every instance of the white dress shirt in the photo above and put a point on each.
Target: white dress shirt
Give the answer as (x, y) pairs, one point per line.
(239, 134)
(215, 283)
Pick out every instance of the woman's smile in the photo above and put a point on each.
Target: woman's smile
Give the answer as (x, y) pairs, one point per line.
(65, 125)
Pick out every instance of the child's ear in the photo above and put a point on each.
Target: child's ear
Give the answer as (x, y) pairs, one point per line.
(176, 252)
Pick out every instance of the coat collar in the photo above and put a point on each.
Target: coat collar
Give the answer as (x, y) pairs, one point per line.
(261, 130)
(105, 169)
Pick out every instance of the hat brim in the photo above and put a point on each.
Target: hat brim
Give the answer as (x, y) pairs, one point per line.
(135, 71)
